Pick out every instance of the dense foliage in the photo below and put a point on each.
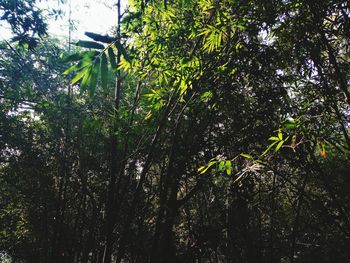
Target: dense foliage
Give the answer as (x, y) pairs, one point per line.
(202, 131)
(25, 20)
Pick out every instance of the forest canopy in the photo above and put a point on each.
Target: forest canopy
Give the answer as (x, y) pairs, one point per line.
(197, 131)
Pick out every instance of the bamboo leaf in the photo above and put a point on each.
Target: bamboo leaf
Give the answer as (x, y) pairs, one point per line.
(89, 44)
(73, 57)
(95, 70)
(104, 71)
(85, 60)
(71, 69)
(100, 38)
(112, 58)
(85, 80)
(122, 50)
(79, 75)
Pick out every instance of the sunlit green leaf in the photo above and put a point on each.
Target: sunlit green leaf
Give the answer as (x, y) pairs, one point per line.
(205, 168)
(125, 65)
(290, 124)
(280, 135)
(279, 145)
(71, 69)
(79, 75)
(228, 166)
(85, 80)
(268, 148)
(246, 156)
(221, 166)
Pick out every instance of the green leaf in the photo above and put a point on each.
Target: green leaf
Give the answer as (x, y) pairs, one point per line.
(90, 54)
(125, 65)
(79, 75)
(268, 148)
(273, 138)
(201, 169)
(89, 44)
(241, 26)
(186, 3)
(131, 16)
(206, 96)
(289, 124)
(148, 116)
(246, 156)
(104, 71)
(280, 135)
(112, 58)
(73, 57)
(95, 70)
(205, 168)
(228, 166)
(100, 38)
(86, 80)
(71, 69)
(85, 60)
(279, 145)
(122, 50)
(221, 166)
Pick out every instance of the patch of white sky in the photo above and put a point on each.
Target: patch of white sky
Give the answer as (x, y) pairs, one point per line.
(98, 16)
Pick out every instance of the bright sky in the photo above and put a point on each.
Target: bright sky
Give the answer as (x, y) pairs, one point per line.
(98, 16)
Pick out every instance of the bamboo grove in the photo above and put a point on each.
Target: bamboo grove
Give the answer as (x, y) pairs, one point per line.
(199, 131)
